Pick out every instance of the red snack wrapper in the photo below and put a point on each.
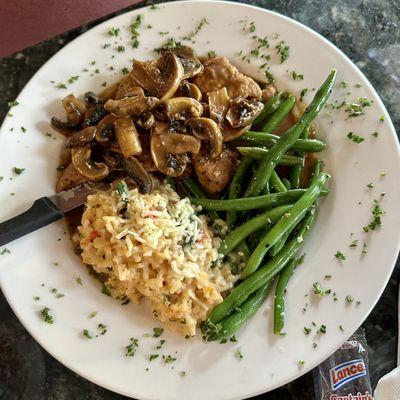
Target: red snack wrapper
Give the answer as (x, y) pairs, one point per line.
(345, 375)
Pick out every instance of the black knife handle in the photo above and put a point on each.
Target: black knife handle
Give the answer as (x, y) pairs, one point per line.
(43, 212)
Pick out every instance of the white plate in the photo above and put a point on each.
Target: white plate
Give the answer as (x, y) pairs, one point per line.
(212, 370)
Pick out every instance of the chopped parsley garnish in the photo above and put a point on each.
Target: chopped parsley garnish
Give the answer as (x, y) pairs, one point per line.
(1, 178)
(182, 374)
(340, 256)
(160, 344)
(168, 359)
(154, 7)
(343, 84)
(376, 222)
(382, 118)
(198, 28)
(301, 362)
(120, 48)
(153, 357)
(36, 298)
(23, 129)
(60, 86)
(322, 329)
(79, 280)
(114, 31)
(319, 291)
(233, 339)
(356, 108)
(121, 188)
(315, 345)
(104, 84)
(12, 103)
(252, 27)
(269, 76)
(283, 49)
(355, 138)
(211, 54)
(297, 75)
(87, 334)
(307, 331)
(335, 298)
(354, 243)
(134, 31)
(73, 78)
(132, 347)
(349, 298)
(170, 44)
(303, 93)
(125, 71)
(364, 249)
(105, 290)
(370, 185)
(60, 295)
(341, 328)
(375, 134)
(102, 329)
(18, 171)
(92, 314)
(328, 276)
(105, 45)
(239, 354)
(47, 317)
(157, 332)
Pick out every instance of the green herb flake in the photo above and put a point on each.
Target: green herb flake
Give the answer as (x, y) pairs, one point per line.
(315, 345)
(18, 171)
(303, 93)
(132, 347)
(198, 28)
(364, 249)
(233, 339)
(1, 178)
(105, 45)
(239, 354)
(92, 314)
(169, 359)
(160, 344)
(114, 31)
(355, 138)
(269, 76)
(343, 84)
(78, 280)
(104, 84)
(120, 49)
(297, 75)
(322, 330)
(182, 374)
(47, 317)
(307, 330)
(73, 78)
(223, 341)
(283, 49)
(335, 298)
(349, 299)
(125, 71)
(341, 328)
(153, 357)
(154, 7)
(375, 134)
(102, 329)
(36, 298)
(327, 277)
(319, 291)
(169, 44)
(211, 54)
(5, 251)
(105, 290)
(382, 119)
(86, 334)
(376, 222)
(60, 86)
(60, 295)
(12, 103)
(340, 256)
(157, 332)
(301, 362)
(354, 243)
(23, 129)
(370, 185)
(357, 85)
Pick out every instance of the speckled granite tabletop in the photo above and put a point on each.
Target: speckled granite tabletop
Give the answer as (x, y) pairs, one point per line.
(368, 31)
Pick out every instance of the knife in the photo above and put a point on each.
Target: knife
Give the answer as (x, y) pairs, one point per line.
(43, 212)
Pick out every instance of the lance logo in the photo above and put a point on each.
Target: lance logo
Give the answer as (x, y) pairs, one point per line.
(346, 372)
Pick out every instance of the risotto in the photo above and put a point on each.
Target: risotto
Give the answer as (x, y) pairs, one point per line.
(155, 246)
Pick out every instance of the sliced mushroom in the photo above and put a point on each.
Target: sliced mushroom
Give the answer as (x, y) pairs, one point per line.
(169, 150)
(74, 108)
(94, 115)
(66, 128)
(105, 128)
(135, 170)
(207, 129)
(69, 178)
(82, 137)
(190, 62)
(132, 106)
(128, 91)
(230, 133)
(109, 92)
(85, 166)
(91, 99)
(243, 112)
(218, 104)
(146, 120)
(127, 137)
(188, 89)
(160, 79)
(182, 108)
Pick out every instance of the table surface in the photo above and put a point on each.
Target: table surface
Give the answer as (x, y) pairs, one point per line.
(368, 31)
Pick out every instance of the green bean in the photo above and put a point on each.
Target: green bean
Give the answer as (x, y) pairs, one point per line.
(250, 203)
(279, 115)
(170, 180)
(236, 187)
(276, 182)
(288, 139)
(270, 107)
(267, 140)
(263, 275)
(243, 248)
(230, 325)
(279, 304)
(297, 170)
(195, 190)
(266, 189)
(259, 152)
(316, 169)
(286, 223)
(287, 184)
(232, 240)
